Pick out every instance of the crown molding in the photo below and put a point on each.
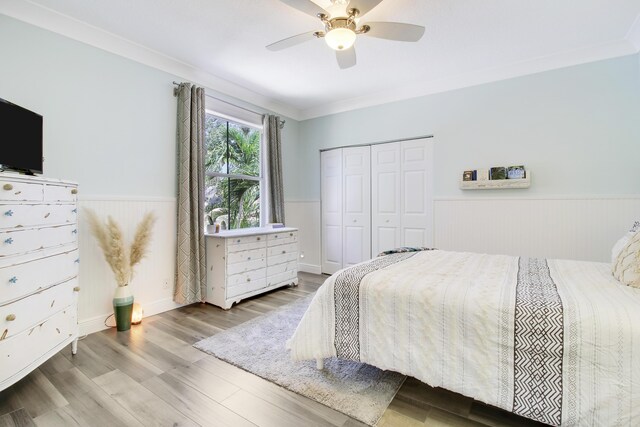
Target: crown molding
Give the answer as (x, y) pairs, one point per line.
(40, 16)
(634, 34)
(557, 61)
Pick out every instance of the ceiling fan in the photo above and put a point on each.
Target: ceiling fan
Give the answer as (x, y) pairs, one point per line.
(341, 27)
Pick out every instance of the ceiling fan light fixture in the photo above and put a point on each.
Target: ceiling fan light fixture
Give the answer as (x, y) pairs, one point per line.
(340, 38)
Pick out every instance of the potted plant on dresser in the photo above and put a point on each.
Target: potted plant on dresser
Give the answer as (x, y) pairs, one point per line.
(121, 259)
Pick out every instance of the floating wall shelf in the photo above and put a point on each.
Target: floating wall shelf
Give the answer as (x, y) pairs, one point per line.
(497, 184)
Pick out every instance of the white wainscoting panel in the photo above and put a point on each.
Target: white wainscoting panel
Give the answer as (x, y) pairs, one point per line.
(155, 275)
(564, 228)
(305, 215)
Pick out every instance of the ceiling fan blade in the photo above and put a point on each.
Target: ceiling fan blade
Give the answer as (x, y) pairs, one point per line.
(292, 41)
(346, 58)
(395, 31)
(363, 6)
(306, 6)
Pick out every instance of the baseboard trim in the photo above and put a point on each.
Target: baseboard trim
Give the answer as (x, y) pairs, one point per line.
(96, 324)
(309, 268)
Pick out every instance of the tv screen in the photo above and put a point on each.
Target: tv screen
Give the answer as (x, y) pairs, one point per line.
(20, 138)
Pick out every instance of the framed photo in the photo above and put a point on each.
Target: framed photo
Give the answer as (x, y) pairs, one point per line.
(516, 172)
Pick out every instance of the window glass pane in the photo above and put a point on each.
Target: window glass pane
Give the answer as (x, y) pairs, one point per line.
(244, 203)
(244, 150)
(216, 207)
(215, 144)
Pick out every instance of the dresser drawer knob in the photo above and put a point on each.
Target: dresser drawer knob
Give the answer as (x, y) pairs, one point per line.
(74, 231)
(238, 241)
(8, 241)
(258, 238)
(74, 191)
(248, 279)
(7, 187)
(74, 210)
(14, 279)
(275, 237)
(284, 252)
(11, 317)
(8, 213)
(290, 234)
(248, 258)
(76, 289)
(77, 261)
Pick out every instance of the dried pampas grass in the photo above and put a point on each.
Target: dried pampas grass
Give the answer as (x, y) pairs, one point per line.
(111, 240)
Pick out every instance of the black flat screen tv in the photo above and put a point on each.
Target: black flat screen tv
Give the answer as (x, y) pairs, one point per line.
(20, 138)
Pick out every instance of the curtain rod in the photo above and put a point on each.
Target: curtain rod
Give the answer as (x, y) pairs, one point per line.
(175, 93)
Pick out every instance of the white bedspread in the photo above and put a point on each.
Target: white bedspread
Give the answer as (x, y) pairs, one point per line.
(558, 349)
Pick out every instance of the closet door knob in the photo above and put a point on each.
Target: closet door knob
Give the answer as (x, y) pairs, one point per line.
(11, 317)
(7, 187)
(8, 213)
(74, 191)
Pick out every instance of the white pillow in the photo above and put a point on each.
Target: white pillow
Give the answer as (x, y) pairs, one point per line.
(626, 268)
(620, 244)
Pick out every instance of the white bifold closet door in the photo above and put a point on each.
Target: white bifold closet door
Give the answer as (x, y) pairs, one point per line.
(331, 201)
(402, 195)
(346, 207)
(356, 202)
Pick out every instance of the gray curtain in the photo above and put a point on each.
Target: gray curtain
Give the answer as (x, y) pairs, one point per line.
(191, 272)
(274, 164)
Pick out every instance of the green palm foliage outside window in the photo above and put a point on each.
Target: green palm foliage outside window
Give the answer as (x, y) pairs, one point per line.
(232, 183)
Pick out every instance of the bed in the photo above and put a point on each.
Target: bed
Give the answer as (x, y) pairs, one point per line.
(550, 340)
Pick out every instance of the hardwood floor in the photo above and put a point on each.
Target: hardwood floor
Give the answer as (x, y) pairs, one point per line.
(152, 376)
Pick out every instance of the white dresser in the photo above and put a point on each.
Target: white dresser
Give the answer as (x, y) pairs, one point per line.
(246, 262)
(38, 272)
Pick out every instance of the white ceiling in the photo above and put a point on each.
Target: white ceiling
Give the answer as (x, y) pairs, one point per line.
(464, 39)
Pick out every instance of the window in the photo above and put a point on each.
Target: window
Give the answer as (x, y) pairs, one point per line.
(233, 178)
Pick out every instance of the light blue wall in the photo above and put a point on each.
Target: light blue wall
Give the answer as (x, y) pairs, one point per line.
(109, 122)
(577, 129)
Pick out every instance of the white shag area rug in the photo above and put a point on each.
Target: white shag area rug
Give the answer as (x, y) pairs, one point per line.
(358, 390)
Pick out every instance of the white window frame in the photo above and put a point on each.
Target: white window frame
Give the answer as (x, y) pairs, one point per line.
(261, 179)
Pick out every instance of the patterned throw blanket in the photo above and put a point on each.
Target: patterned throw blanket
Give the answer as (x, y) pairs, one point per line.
(538, 332)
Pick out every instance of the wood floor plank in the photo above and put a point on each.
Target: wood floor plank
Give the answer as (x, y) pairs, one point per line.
(88, 403)
(210, 385)
(263, 413)
(144, 405)
(194, 404)
(19, 418)
(37, 395)
(88, 360)
(183, 350)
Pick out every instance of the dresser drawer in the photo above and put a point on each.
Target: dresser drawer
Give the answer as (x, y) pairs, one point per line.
(23, 241)
(245, 239)
(249, 276)
(282, 258)
(282, 249)
(281, 268)
(18, 216)
(22, 279)
(27, 312)
(21, 350)
(60, 193)
(242, 267)
(282, 238)
(245, 246)
(243, 288)
(251, 255)
(21, 191)
(286, 277)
